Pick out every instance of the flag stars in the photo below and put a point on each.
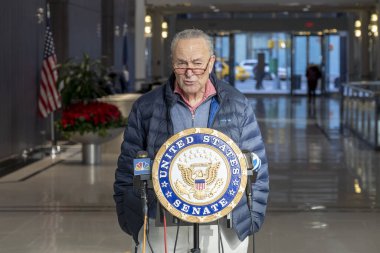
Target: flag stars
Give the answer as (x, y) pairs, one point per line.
(168, 194)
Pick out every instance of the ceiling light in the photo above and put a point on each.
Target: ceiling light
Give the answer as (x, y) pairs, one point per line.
(148, 30)
(374, 28)
(290, 4)
(374, 17)
(358, 23)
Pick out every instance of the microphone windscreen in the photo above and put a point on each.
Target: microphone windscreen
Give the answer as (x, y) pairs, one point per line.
(142, 164)
(248, 159)
(142, 154)
(256, 162)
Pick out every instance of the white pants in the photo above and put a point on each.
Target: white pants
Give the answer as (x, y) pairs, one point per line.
(208, 239)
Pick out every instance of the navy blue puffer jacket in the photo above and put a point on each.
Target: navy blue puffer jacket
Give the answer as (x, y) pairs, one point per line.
(149, 126)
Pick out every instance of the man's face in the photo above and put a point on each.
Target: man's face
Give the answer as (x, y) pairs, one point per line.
(189, 54)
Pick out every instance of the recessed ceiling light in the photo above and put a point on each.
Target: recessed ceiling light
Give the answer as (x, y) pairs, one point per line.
(289, 4)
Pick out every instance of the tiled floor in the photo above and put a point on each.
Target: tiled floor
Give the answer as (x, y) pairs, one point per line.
(324, 191)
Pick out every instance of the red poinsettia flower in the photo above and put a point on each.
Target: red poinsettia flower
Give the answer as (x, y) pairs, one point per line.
(94, 117)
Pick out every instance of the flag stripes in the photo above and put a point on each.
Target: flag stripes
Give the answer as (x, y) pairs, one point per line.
(49, 99)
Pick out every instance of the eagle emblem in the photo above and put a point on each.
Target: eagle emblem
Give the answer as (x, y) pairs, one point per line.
(199, 175)
(199, 180)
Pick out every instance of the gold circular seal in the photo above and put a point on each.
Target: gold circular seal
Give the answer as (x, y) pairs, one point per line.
(199, 175)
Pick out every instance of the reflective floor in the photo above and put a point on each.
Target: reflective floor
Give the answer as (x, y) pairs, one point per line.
(324, 191)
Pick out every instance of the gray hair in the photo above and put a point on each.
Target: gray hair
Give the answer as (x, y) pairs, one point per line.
(192, 34)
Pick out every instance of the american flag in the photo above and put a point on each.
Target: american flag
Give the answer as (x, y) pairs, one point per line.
(49, 99)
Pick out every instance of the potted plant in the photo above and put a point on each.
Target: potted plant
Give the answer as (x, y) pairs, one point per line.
(85, 119)
(83, 80)
(95, 118)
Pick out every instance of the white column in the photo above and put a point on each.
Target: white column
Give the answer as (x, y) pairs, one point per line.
(140, 70)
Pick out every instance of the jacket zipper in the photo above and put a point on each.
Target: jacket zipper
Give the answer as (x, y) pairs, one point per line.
(192, 118)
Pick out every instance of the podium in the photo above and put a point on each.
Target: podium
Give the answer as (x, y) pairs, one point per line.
(199, 175)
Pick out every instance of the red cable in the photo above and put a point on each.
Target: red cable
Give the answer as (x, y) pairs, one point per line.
(165, 242)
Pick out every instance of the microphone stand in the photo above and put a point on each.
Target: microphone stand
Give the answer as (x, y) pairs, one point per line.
(251, 176)
(145, 211)
(196, 248)
(142, 174)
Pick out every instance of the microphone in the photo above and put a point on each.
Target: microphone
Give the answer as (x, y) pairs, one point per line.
(142, 166)
(142, 174)
(253, 166)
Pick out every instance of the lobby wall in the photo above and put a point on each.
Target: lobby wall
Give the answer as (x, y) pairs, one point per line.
(77, 29)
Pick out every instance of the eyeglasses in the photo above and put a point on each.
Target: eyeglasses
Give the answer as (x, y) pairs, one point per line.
(195, 71)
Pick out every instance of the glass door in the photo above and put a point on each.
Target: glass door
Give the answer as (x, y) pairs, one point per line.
(306, 51)
(261, 61)
(333, 66)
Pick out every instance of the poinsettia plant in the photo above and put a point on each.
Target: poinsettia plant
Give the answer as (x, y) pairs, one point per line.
(95, 117)
(81, 84)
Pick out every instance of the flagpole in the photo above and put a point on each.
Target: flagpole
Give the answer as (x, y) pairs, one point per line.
(54, 147)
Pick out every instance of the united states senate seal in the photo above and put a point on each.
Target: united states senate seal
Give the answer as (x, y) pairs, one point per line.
(199, 175)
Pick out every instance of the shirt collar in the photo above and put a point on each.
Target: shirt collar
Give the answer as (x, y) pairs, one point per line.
(210, 91)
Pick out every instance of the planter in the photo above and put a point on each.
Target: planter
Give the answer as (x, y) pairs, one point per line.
(91, 144)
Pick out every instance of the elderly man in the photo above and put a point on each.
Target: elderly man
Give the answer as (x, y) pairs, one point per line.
(192, 97)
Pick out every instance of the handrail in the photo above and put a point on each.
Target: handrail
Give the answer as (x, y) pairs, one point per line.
(371, 88)
(365, 82)
(360, 110)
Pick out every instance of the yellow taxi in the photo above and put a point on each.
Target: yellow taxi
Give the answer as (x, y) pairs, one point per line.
(222, 70)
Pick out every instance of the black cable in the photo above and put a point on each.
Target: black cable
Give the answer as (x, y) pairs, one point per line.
(150, 246)
(176, 237)
(147, 237)
(136, 248)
